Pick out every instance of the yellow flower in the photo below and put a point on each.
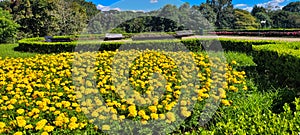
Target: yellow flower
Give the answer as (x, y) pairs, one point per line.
(121, 117)
(233, 62)
(105, 127)
(142, 113)
(186, 113)
(5, 98)
(154, 116)
(21, 122)
(20, 111)
(48, 128)
(171, 116)
(73, 119)
(2, 125)
(18, 133)
(35, 110)
(132, 111)
(225, 102)
(44, 133)
(10, 107)
(162, 116)
(28, 126)
(144, 122)
(58, 105)
(41, 124)
(153, 109)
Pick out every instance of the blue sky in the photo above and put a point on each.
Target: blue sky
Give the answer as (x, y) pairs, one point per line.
(147, 5)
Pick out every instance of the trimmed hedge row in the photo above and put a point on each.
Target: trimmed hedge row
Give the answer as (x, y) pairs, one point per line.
(38, 45)
(282, 61)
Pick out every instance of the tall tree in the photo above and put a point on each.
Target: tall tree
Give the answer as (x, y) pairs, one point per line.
(70, 17)
(224, 11)
(258, 9)
(208, 12)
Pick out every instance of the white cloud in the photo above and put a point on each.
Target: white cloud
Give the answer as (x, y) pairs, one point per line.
(137, 10)
(249, 9)
(240, 5)
(273, 4)
(106, 8)
(153, 1)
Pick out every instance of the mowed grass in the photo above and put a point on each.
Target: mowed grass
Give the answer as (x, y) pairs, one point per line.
(7, 50)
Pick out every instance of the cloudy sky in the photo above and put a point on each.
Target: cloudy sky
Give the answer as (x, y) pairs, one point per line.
(147, 5)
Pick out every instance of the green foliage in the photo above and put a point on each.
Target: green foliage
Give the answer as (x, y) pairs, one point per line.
(260, 16)
(224, 12)
(90, 8)
(149, 24)
(283, 61)
(207, 12)
(46, 17)
(8, 28)
(292, 7)
(258, 9)
(251, 114)
(70, 17)
(244, 20)
(285, 19)
(38, 45)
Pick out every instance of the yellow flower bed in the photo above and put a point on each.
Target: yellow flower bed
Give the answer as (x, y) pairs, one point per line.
(57, 92)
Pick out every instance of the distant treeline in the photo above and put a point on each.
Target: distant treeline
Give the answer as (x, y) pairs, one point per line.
(32, 18)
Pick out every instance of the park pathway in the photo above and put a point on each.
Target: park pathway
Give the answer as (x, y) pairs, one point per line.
(249, 38)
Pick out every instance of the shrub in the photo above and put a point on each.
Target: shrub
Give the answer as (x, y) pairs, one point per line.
(38, 45)
(282, 61)
(8, 28)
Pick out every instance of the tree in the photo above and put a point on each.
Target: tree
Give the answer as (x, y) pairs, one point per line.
(258, 9)
(260, 16)
(285, 19)
(224, 12)
(8, 28)
(170, 12)
(244, 20)
(292, 7)
(70, 17)
(90, 8)
(208, 12)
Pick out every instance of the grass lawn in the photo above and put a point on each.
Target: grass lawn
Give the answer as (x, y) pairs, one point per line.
(7, 50)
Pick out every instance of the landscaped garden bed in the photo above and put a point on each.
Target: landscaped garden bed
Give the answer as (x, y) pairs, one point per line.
(54, 93)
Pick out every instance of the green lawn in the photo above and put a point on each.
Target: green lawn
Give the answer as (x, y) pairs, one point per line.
(7, 50)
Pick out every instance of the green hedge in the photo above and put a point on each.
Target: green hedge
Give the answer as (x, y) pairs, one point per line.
(39, 46)
(282, 61)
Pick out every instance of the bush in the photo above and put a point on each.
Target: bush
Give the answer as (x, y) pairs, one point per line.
(252, 115)
(8, 28)
(282, 61)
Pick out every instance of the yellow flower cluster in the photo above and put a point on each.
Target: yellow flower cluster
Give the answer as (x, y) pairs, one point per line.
(148, 85)
(56, 91)
(35, 92)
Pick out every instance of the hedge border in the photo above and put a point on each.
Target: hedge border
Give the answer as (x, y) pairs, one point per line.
(38, 45)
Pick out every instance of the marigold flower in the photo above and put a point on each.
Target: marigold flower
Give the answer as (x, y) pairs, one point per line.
(105, 127)
(18, 133)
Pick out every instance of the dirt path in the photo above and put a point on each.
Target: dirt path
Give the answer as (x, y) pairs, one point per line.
(250, 38)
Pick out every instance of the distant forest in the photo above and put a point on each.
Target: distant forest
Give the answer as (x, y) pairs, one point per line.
(32, 18)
